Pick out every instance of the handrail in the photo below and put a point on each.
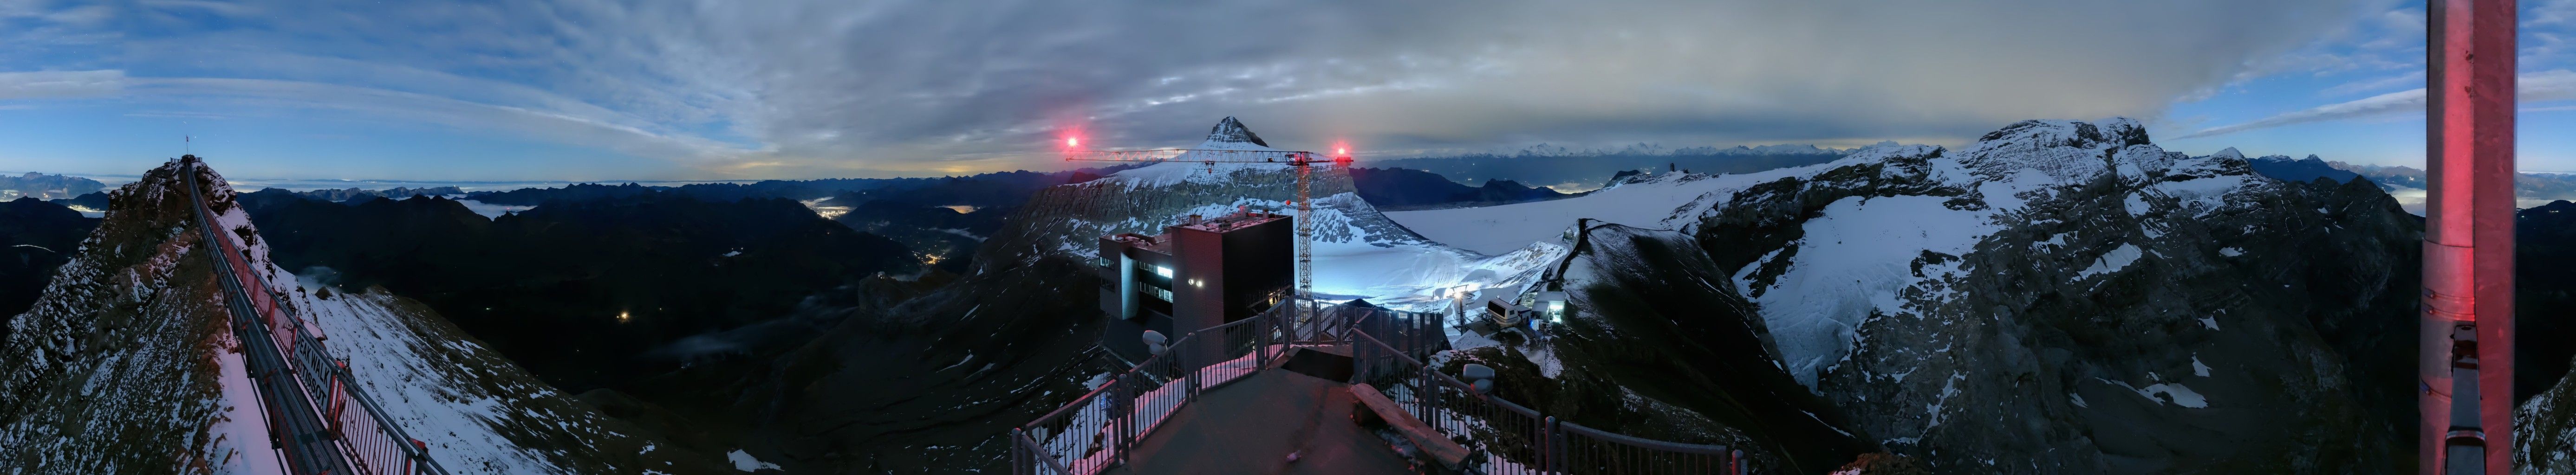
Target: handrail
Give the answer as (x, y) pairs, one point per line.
(1640, 441)
(1549, 445)
(1095, 431)
(324, 393)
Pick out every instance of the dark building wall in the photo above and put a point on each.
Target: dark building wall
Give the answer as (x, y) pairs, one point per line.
(1217, 277)
(1198, 288)
(1259, 259)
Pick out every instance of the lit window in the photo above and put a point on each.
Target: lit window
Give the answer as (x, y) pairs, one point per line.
(1163, 271)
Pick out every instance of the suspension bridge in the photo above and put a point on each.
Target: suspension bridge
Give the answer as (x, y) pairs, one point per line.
(317, 424)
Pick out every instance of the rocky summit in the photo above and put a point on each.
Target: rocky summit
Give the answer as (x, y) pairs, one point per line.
(2057, 297)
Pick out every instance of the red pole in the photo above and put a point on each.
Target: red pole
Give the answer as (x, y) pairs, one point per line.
(2468, 239)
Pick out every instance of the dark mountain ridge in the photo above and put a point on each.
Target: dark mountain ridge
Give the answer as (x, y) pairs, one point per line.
(577, 291)
(1399, 188)
(35, 238)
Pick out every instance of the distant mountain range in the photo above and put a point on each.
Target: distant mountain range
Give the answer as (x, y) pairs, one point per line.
(1573, 170)
(2404, 182)
(47, 187)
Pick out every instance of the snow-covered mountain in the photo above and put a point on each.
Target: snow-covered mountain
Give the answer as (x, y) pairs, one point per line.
(2544, 432)
(2056, 297)
(1360, 253)
(126, 364)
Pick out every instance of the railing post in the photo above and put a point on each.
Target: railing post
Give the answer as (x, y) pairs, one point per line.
(1546, 445)
(1019, 453)
(1429, 387)
(418, 458)
(337, 403)
(1116, 440)
(1192, 392)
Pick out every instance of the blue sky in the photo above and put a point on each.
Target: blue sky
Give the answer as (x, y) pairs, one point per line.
(646, 90)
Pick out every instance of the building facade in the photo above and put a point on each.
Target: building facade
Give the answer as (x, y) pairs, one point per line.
(1201, 273)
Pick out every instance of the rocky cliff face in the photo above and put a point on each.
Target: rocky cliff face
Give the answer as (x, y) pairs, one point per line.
(124, 365)
(1656, 317)
(127, 364)
(2067, 297)
(35, 238)
(2544, 435)
(2057, 297)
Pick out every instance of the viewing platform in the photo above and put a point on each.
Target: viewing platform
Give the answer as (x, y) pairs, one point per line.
(1301, 388)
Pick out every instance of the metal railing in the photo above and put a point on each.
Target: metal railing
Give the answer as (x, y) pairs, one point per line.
(318, 423)
(1505, 438)
(1501, 437)
(1579, 449)
(1096, 431)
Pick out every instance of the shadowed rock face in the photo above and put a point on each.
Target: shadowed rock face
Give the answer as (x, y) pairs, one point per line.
(1653, 315)
(126, 364)
(546, 286)
(2544, 429)
(2112, 308)
(35, 238)
(117, 365)
(2544, 255)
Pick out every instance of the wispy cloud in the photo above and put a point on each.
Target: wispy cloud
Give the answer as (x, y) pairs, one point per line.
(2545, 86)
(2411, 78)
(60, 84)
(821, 87)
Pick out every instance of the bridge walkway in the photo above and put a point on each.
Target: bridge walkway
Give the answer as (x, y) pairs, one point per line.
(316, 423)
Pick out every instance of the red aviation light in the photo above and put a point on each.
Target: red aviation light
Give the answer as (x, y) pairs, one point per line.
(1071, 142)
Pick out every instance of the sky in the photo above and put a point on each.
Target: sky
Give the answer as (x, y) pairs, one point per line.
(657, 90)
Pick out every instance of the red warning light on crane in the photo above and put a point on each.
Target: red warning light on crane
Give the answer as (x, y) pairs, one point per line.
(1071, 142)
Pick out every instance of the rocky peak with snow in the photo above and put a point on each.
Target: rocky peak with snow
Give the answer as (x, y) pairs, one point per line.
(1232, 131)
(127, 363)
(2080, 293)
(2059, 297)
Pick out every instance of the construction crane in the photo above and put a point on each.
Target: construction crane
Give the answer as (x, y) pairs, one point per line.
(1303, 161)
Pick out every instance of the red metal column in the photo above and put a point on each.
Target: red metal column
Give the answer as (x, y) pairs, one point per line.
(2468, 237)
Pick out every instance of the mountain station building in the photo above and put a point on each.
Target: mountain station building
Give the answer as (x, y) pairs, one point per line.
(1201, 273)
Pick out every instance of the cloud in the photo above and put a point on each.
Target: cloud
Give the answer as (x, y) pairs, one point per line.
(60, 84)
(576, 128)
(2529, 87)
(2550, 12)
(2414, 78)
(817, 87)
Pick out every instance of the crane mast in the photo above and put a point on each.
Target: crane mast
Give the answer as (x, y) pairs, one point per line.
(1303, 161)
